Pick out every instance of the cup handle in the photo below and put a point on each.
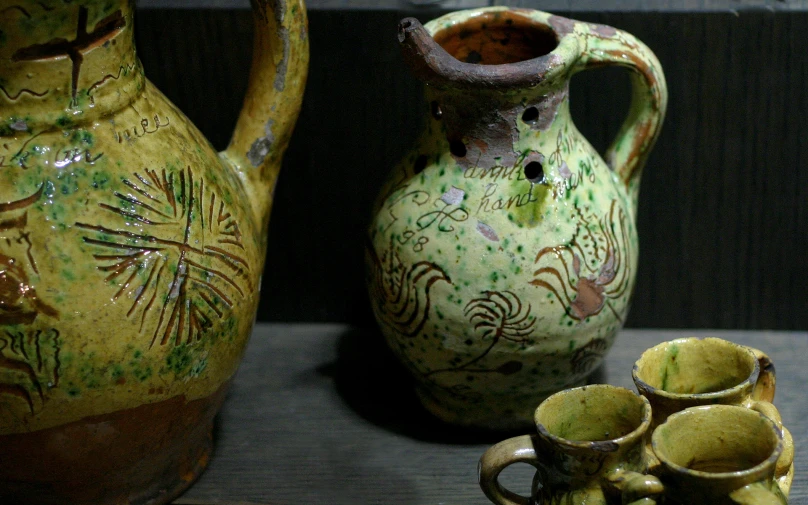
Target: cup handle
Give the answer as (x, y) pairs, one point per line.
(635, 488)
(607, 46)
(500, 456)
(755, 494)
(784, 469)
(765, 385)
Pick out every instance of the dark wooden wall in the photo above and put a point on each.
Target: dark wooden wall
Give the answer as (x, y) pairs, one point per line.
(724, 204)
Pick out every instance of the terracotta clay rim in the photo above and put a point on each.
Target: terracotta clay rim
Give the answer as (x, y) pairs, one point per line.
(431, 63)
(739, 388)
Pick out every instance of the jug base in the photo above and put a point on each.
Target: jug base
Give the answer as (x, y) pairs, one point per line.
(147, 455)
(491, 412)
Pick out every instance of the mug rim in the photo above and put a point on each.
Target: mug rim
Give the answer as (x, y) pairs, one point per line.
(749, 382)
(758, 471)
(606, 444)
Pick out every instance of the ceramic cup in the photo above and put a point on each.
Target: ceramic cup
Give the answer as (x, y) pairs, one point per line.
(719, 455)
(689, 372)
(591, 444)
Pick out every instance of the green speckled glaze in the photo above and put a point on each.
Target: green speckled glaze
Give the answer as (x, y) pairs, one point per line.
(502, 252)
(131, 251)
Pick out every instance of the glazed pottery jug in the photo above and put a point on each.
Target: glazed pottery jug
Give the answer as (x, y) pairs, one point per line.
(719, 455)
(131, 251)
(590, 450)
(690, 372)
(502, 252)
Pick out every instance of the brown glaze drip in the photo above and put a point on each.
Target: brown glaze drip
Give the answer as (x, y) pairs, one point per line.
(157, 449)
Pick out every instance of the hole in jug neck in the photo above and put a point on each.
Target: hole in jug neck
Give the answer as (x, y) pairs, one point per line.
(497, 38)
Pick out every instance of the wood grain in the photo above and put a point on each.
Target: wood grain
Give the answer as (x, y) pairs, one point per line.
(723, 214)
(324, 414)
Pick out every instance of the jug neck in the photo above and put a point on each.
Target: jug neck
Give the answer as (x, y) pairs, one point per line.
(65, 63)
(485, 128)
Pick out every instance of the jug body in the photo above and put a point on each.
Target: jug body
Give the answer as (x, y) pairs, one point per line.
(503, 249)
(130, 260)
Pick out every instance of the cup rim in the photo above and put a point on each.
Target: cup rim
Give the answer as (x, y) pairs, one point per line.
(756, 471)
(644, 387)
(608, 445)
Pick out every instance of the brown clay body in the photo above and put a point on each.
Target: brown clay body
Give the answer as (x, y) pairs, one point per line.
(131, 252)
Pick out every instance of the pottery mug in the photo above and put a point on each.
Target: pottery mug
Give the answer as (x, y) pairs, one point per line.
(719, 455)
(690, 372)
(590, 448)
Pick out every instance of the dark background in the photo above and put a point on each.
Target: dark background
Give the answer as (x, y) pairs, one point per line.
(723, 217)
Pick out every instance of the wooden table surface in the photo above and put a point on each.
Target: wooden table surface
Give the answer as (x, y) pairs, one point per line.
(322, 413)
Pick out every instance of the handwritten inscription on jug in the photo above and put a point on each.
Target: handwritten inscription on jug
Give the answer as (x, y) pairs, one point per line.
(444, 211)
(166, 234)
(146, 127)
(25, 158)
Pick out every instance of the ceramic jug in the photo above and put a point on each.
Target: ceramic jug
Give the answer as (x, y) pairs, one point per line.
(502, 252)
(131, 252)
(590, 450)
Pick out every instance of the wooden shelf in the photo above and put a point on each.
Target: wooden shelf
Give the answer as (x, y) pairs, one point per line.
(323, 414)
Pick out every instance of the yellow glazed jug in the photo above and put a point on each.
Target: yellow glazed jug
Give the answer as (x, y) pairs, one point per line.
(502, 252)
(131, 252)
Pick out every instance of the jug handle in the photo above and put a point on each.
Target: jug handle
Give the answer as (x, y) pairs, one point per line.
(607, 46)
(273, 100)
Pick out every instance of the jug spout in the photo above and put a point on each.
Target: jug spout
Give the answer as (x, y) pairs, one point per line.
(511, 52)
(273, 100)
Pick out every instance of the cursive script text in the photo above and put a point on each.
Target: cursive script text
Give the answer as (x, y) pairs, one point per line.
(146, 127)
(491, 204)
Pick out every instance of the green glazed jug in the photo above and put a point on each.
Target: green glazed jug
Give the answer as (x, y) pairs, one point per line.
(502, 252)
(131, 252)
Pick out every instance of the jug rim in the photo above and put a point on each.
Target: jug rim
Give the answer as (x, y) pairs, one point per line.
(433, 64)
